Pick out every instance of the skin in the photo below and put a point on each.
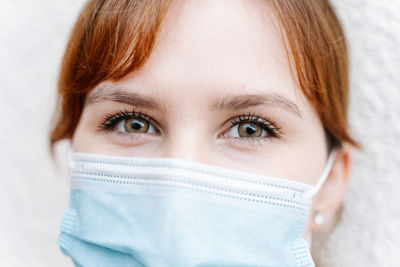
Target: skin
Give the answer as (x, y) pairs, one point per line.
(208, 52)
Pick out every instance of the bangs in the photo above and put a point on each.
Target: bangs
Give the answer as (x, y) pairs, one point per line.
(110, 40)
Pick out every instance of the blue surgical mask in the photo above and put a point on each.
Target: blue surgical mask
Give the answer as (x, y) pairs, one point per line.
(171, 212)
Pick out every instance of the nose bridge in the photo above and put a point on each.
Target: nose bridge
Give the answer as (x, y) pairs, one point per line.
(187, 141)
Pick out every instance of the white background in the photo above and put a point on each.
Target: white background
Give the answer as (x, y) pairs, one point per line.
(34, 193)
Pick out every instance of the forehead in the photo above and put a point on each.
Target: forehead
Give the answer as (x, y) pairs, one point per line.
(216, 47)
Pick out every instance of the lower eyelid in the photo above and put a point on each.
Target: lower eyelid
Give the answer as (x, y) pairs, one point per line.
(130, 139)
(249, 142)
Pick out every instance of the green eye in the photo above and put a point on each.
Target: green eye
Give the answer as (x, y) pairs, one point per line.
(135, 125)
(252, 127)
(248, 129)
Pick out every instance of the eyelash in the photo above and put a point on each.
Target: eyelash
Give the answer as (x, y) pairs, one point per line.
(112, 119)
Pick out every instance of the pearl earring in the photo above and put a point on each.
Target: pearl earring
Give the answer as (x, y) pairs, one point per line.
(319, 218)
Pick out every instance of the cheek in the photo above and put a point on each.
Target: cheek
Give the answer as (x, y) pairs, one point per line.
(275, 159)
(82, 140)
(86, 139)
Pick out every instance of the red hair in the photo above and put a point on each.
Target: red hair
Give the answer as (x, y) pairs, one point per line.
(112, 38)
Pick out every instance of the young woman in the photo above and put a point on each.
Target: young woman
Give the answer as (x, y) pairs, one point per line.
(205, 133)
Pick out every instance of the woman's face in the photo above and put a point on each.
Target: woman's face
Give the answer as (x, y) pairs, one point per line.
(217, 89)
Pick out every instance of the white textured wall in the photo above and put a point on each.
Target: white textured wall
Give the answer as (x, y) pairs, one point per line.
(33, 195)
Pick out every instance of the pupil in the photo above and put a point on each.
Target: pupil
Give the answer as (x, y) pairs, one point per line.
(250, 129)
(136, 125)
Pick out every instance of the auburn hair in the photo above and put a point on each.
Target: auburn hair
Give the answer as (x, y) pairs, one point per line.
(112, 38)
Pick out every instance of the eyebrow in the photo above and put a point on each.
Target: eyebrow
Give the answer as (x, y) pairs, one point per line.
(121, 95)
(249, 100)
(231, 103)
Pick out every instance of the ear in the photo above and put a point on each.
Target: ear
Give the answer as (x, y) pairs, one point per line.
(329, 199)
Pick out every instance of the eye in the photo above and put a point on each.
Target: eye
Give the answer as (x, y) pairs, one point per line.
(252, 127)
(129, 123)
(135, 125)
(246, 129)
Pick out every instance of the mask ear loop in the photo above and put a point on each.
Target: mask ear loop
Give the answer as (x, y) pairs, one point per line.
(324, 175)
